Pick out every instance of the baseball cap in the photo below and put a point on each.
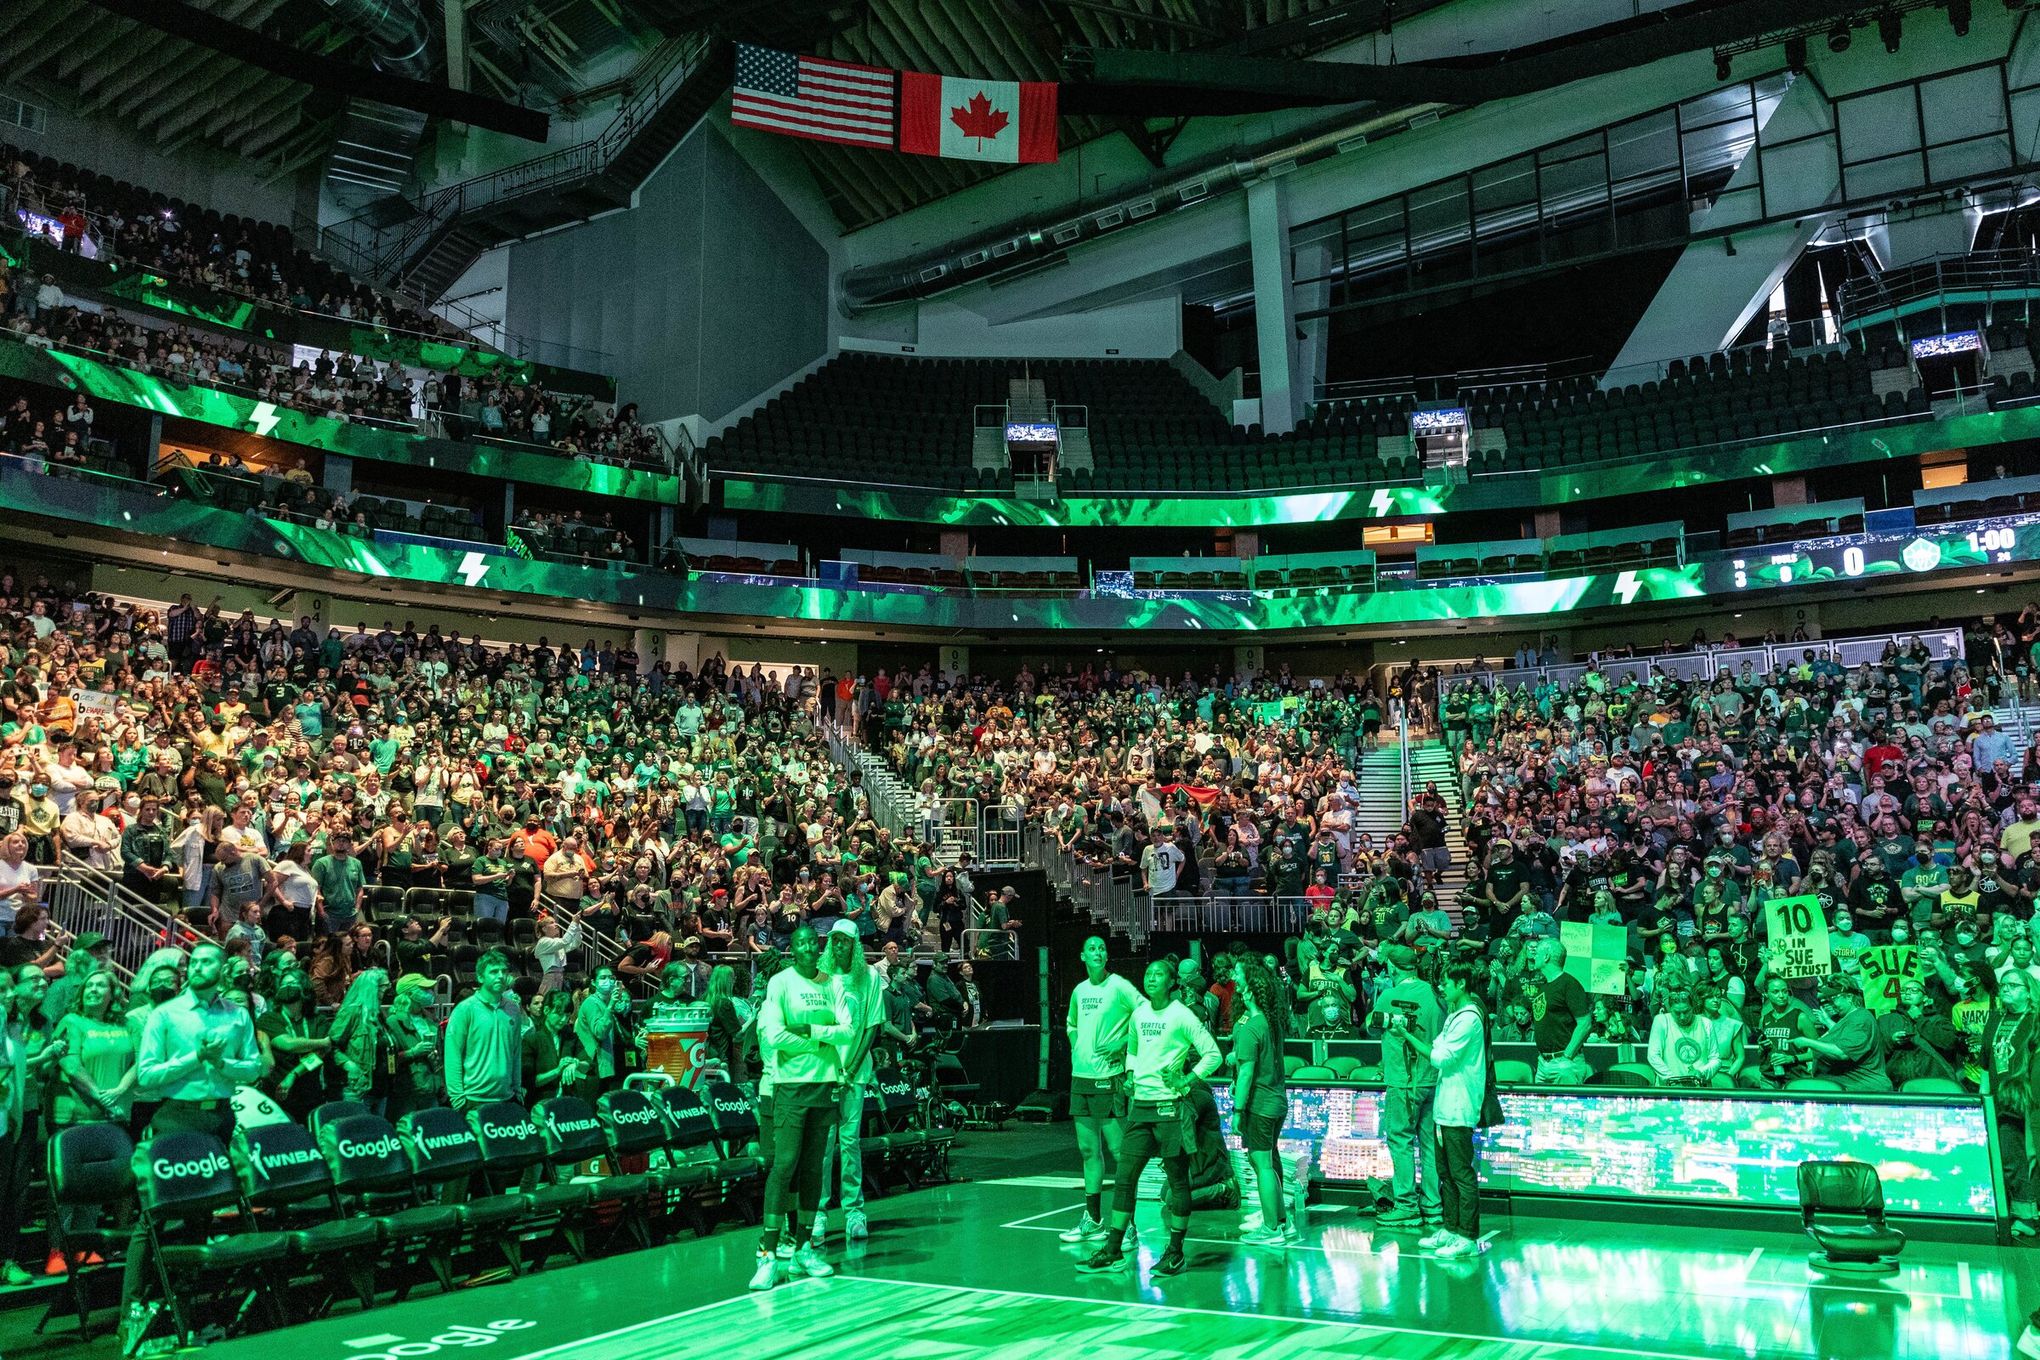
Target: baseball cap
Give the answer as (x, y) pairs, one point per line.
(88, 940)
(1399, 955)
(844, 926)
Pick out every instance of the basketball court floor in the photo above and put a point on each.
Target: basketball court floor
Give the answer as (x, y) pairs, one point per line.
(976, 1270)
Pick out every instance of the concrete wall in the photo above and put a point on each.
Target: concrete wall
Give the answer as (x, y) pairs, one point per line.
(214, 180)
(1151, 328)
(706, 293)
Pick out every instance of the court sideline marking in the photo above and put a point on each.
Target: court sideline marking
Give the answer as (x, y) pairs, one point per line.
(578, 1342)
(1028, 1224)
(1373, 1328)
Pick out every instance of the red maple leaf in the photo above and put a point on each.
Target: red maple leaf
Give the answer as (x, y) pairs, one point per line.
(979, 119)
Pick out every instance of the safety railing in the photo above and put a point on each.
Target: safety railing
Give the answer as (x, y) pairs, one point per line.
(1984, 272)
(80, 898)
(661, 73)
(1000, 839)
(1399, 713)
(1943, 645)
(1108, 895)
(1253, 914)
(602, 948)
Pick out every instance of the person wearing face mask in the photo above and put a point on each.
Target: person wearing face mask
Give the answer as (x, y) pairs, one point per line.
(1919, 1040)
(1959, 904)
(1846, 943)
(295, 1040)
(1874, 898)
(600, 1035)
(1922, 884)
(1850, 1051)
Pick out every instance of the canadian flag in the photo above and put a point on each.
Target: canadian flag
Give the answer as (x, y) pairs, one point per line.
(977, 120)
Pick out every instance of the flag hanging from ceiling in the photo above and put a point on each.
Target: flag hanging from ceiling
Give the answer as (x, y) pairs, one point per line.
(813, 97)
(964, 118)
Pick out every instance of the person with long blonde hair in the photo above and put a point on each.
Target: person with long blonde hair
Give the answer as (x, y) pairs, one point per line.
(360, 1039)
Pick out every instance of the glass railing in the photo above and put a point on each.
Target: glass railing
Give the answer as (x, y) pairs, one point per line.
(138, 285)
(1891, 549)
(545, 466)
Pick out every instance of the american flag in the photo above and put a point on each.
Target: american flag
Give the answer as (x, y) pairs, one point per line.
(828, 101)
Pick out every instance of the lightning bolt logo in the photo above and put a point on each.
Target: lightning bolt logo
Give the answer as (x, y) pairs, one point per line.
(1383, 502)
(1626, 586)
(264, 417)
(472, 569)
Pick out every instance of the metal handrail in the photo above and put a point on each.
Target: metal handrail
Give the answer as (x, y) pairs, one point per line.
(1985, 270)
(1402, 738)
(541, 174)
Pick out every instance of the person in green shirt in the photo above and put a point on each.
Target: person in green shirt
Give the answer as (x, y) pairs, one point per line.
(493, 874)
(341, 881)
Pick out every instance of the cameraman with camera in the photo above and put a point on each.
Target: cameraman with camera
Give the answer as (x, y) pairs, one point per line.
(1408, 1015)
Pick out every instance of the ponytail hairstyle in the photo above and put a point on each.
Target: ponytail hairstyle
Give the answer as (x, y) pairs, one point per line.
(1270, 997)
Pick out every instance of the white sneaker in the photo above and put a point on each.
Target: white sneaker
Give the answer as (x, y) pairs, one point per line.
(1250, 1222)
(1086, 1229)
(1458, 1247)
(1264, 1237)
(767, 1273)
(821, 1233)
(855, 1225)
(811, 1262)
(1292, 1233)
(1436, 1239)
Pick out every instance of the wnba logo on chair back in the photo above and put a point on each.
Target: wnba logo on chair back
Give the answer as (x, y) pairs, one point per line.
(396, 1348)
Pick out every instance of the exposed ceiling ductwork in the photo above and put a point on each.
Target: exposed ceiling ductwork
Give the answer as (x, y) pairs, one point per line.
(376, 143)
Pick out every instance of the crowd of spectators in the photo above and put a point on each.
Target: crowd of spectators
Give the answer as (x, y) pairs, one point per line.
(343, 387)
(245, 259)
(636, 834)
(57, 435)
(1672, 811)
(338, 389)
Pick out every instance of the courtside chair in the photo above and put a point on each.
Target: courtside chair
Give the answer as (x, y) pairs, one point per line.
(288, 1184)
(570, 1134)
(90, 1166)
(372, 1175)
(332, 1110)
(1863, 1243)
(736, 1139)
(637, 1125)
(513, 1150)
(185, 1181)
(444, 1153)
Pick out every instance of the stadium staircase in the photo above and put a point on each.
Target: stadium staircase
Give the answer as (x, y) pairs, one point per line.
(1431, 762)
(420, 248)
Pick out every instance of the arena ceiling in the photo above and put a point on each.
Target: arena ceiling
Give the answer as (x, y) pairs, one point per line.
(101, 67)
(1025, 40)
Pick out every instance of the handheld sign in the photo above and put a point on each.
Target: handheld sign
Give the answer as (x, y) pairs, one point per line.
(1885, 969)
(1798, 935)
(1594, 954)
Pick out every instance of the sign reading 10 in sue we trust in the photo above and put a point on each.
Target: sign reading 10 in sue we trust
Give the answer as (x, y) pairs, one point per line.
(1797, 932)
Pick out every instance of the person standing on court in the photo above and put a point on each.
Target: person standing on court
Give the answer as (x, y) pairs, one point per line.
(1101, 1012)
(1260, 1099)
(863, 1005)
(1164, 1037)
(1465, 1102)
(1412, 1088)
(801, 1034)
